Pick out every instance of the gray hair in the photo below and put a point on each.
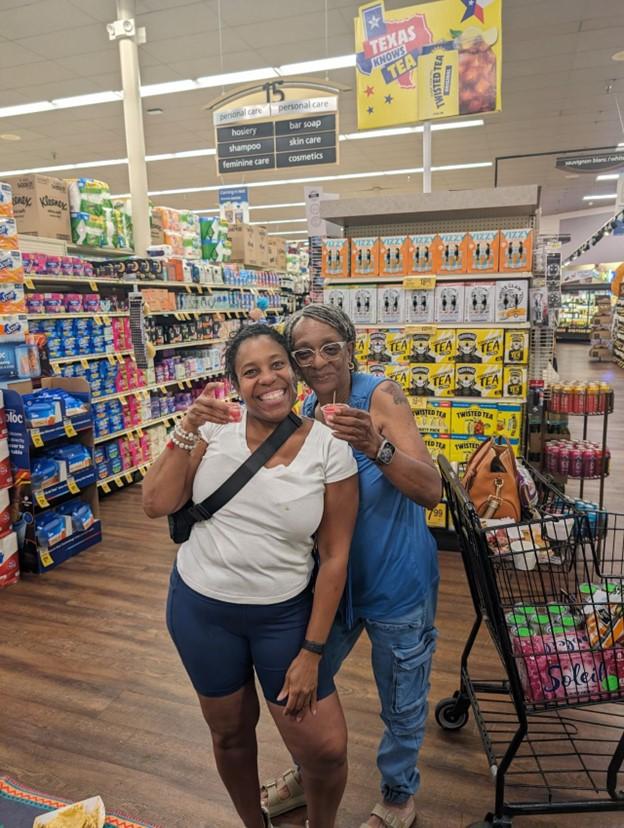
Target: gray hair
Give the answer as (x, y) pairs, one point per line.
(328, 315)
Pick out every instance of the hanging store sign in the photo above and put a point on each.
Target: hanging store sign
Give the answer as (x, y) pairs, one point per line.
(234, 204)
(592, 163)
(300, 132)
(426, 62)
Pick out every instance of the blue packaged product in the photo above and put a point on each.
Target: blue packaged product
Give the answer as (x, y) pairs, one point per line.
(51, 528)
(112, 451)
(116, 466)
(76, 456)
(45, 472)
(99, 455)
(103, 470)
(80, 513)
(40, 412)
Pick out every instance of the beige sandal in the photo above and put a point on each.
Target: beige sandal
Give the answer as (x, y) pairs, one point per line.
(267, 819)
(389, 819)
(275, 805)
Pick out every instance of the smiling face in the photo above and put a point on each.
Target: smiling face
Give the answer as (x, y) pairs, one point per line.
(265, 379)
(323, 376)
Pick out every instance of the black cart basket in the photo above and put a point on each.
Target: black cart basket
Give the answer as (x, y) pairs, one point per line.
(550, 590)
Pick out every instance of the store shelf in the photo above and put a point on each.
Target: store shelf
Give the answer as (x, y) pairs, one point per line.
(47, 434)
(194, 344)
(121, 478)
(78, 315)
(47, 278)
(484, 325)
(439, 277)
(431, 207)
(110, 252)
(575, 287)
(197, 312)
(54, 361)
(505, 400)
(104, 438)
(72, 485)
(158, 386)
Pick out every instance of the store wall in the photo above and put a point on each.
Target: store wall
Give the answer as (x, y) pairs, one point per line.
(580, 226)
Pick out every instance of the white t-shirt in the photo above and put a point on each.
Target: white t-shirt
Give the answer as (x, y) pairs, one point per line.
(257, 548)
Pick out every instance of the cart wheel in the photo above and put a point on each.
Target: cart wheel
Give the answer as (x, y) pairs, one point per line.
(451, 713)
(493, 822)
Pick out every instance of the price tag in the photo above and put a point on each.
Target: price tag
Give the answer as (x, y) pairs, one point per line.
(181, 385)
(128, 477)
(119, 483)
(97, 320)
(105, 487)
(419, 283)
(110, 358)
(69, 428)
(93, 285)
(36, 437)
(42, 500)
(187, 288)
(84, 362)
(189, 384)
(45, 557)
(120, 358)
(28, 282)
(73, 487)
(106, 319)
(143, 471)
(140, 431)
(162, 389)
(420, 329)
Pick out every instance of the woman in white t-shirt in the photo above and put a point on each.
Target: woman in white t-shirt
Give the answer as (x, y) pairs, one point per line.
(240, 597)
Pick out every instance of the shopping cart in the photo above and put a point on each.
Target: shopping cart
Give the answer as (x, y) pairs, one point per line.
(550, 590)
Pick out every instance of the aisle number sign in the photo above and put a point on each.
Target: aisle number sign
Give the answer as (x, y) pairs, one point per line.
(425, 62)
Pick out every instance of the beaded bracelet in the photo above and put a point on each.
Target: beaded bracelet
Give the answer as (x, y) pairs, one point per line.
(183, 434)
(174, 441)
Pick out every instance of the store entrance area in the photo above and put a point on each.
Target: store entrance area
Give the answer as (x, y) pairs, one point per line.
(95, 697)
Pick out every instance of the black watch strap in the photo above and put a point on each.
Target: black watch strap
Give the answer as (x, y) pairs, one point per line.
(313, 647)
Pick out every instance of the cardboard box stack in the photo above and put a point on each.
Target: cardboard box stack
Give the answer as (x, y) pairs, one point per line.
(41, 206)
(252, 246)
(179, 229)
(601, 333)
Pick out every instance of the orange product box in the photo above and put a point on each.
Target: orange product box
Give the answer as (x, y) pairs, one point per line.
(423, 254)
(12, 298)
(516, 250)
(393, 255)
(453, 252)
(6, 200)
(365, 256)
(483, 250)
(175, 268)
(8, 234)
(335, 257)
(11, 266)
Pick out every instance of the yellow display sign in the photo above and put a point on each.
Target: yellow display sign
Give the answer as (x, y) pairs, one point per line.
(419, 63)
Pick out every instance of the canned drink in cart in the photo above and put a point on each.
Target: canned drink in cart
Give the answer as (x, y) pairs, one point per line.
(564, 461)
(575, 462)
(578, 400)
(555, 398)
(591, 398)
(552, 458)
(589, 463)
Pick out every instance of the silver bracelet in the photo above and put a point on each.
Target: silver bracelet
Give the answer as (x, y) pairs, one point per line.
(179, 443)
(189, 436)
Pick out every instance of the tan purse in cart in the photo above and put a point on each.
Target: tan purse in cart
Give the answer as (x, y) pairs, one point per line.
(491, 480)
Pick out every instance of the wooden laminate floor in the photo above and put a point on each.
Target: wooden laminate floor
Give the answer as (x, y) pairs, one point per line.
(94, 699)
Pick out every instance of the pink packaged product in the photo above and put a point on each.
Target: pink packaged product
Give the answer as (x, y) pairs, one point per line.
(564, 668)
(39, 262)
(28, 263)
(3, 422)
(145, 448)
(5, 513)
(53, 302)
(35, 302)
(77, 266)
(91, 302)
(6, 477)
(127, 330)
(88, 269)
(53, 265)
(73, 302)
(67, 266)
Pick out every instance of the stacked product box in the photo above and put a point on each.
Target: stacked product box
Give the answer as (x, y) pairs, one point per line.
(9, 559)
(95, 221)
(82, 337)
(179, 230)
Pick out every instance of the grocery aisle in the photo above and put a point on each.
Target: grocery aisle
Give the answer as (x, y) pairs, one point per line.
(104, 706)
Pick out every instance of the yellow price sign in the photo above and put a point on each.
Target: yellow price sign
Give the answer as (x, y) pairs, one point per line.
(181, 385)
(42, 500)
(420, 329)
(119, 483)
(73, 487)
(143, 471)
(97, 320)
(105, 487)
(140, 431)
(93, 285)
(119, 358)
(110, 358)
(45, 557)
(187, 288)
(36, 437)
(189, 384)
(69, 428)
(419, 283)
(128, 477)
(28, 282)
(84, 362)
(106, 319)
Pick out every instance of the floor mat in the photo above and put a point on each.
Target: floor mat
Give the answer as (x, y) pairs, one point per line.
(20, 805)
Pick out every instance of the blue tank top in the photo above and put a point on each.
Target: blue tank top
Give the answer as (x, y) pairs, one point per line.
(393, 562)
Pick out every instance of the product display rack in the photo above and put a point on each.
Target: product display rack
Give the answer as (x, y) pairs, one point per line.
(577, 309)
(433, 213)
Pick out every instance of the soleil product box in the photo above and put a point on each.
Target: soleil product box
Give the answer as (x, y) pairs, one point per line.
(453, 255)
(363, 304)
(393, 256)
(474, 418)
(479, 380)
(335, 257)
(483, 250)
(418, 306)
(449, 303)
(515, 381)
(365, 256)
(480, 346)
(516, 347)
(516, 250)
(433, 345)
(512, 300)
(389, 305)
(479, 302)
(423, 254)
(432, 415)
(340, 297)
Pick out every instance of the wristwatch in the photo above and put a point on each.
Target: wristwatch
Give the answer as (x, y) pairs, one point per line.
(313, 647)
(385, 453)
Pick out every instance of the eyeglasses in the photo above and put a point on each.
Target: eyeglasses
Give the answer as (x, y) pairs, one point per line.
(330, 351)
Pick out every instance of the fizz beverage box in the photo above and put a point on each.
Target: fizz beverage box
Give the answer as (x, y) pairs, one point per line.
(365, 256)
(424, 254)
(515, 381)
(512, 300)
(479, 302)
(474, 418)
(339, 297)
(432, 344)
(437, 444)
(393, 256)
(449, 303)
(479, 380)
(453, 256)
(509, 420)
(431, 380)
(419, 306)
(482, 346)
(432, 416)
(335, 257)
(516, 250)
(363, 304)
(389, 305)
(483, 249)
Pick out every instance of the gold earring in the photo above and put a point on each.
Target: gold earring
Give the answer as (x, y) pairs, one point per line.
(352, 366)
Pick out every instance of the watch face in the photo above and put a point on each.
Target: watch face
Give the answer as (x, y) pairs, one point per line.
(386, 453)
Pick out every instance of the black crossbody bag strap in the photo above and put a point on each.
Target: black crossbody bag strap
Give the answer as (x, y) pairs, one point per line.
(243, 474)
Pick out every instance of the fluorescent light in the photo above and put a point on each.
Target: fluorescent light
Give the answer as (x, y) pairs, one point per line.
(387, 133)
(168, 88)
(87, 100)
(608, 177)
(290, 233)
(276, 206)
(477, 165)
(112, 162)
(212, 212)
(620, 145)
(237, 77)
(282, 221)
(322, 65)
(603, 197)
(25, 109)
(168, 156)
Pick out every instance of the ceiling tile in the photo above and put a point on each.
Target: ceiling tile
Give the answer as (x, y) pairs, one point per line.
(44, 17)
(83, 41)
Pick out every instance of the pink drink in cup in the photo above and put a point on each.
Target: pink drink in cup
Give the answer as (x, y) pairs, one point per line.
(235, 412)
(330, 409)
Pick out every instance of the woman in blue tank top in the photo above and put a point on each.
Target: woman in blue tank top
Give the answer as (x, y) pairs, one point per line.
(393, 570)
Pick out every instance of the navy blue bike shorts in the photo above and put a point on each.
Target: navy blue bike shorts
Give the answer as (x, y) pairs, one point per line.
(221, 644)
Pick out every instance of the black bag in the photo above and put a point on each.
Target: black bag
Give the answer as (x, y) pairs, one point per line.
(182, 521)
